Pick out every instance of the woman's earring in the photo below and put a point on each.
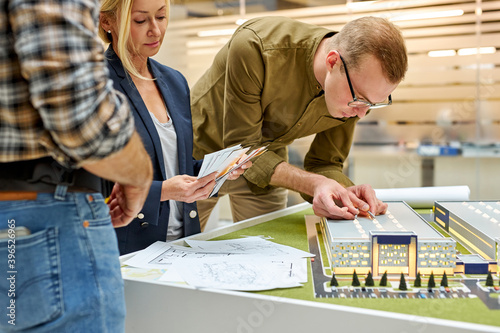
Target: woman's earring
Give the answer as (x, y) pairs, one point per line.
(109, 31)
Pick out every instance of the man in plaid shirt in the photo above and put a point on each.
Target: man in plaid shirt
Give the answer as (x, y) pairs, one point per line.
(62, 126)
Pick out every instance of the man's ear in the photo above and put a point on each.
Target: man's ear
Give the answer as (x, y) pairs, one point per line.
(332, 58)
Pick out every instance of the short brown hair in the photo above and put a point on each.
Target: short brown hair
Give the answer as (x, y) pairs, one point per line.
(376, 36)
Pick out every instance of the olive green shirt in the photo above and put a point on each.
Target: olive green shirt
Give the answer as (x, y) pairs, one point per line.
(261, 90)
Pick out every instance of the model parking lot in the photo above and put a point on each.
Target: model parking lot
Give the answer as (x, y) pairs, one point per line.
(358, 292)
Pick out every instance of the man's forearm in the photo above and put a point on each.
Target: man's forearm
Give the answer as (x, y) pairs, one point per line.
(293, 178)
(130, 166)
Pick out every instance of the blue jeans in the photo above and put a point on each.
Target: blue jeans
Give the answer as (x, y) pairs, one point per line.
(64, 276)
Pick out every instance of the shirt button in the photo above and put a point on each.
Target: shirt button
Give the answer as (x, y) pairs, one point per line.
(192, 214)
(140, 216)
(144, 225)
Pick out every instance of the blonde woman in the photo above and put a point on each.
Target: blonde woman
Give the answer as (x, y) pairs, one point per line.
(159, 99)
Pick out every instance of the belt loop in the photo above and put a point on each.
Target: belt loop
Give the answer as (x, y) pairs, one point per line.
(60, 193)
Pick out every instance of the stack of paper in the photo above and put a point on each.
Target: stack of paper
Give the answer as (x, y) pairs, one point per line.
(226, 161)
(249, 263)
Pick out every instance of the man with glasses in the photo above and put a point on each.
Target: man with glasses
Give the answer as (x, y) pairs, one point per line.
(278, 80)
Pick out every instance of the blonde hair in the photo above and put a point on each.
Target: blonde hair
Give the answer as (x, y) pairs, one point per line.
(376, 36)
(120, 11)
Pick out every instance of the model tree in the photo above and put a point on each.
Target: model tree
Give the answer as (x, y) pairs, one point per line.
(369, 280)
(333, 281)
(489, 280)
(444, 280)
(402, 282)
(418, 280)
(383, 280)
(431, 283)
(355, 280)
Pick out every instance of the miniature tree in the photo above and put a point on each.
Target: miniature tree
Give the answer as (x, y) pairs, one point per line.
(334, 282)
(431, 283)
(369, 280)
(418, 280)
(489, 280)
(402, 282)
(355, 280)
(383, 280)
(444, 280)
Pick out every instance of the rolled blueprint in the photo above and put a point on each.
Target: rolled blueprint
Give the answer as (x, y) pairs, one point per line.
(424, 197)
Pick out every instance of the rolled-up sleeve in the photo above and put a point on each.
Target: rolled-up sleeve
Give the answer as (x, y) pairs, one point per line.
(243, 113)
(329, 151)
(263, 168)
(63, 62)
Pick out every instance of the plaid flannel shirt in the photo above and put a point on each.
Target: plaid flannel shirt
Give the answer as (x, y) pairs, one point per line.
(55, 95)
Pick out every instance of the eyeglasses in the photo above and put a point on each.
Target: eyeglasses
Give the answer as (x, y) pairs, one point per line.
(360, 103)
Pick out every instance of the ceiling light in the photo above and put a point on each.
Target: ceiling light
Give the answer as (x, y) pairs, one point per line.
(473, 50)
(209, 42)
(212, 33)
(359, 4)
(442, 53)
(429, 15)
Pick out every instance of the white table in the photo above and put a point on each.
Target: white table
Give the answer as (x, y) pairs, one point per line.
(161, 307)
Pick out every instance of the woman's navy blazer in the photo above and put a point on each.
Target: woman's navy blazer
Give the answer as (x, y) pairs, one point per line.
(152, 222)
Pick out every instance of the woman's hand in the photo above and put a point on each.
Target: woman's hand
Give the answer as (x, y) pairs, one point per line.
(187, 188)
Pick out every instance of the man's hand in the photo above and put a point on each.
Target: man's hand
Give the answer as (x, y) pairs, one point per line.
(330, 198)
(366, 194)
(187, 188)
(333, 201)
(125, 202)
(238, 172)
(132, 172)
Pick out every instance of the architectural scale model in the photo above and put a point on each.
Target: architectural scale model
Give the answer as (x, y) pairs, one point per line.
(400, 241)
(476, 225)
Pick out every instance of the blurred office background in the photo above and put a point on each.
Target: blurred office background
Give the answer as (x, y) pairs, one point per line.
(444, 126)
